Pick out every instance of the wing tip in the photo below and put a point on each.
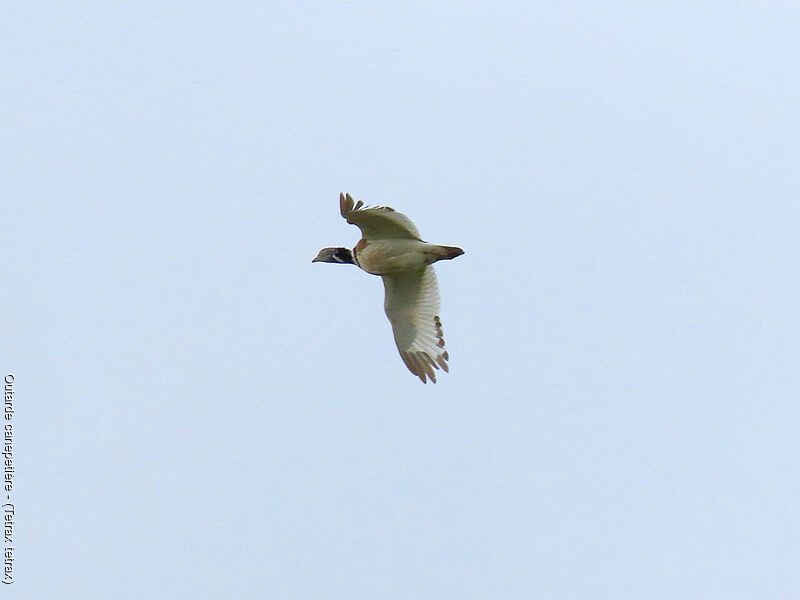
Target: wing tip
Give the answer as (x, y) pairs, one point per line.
(422, 365)
(345, 204)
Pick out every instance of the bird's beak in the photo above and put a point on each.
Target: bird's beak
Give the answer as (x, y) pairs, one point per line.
(315, 260)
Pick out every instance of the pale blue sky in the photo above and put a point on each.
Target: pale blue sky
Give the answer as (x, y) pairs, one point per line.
(203, 413)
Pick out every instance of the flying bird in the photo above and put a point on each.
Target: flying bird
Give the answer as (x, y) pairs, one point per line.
(390, 246)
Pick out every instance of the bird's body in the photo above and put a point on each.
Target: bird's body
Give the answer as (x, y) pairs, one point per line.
(391, 247)
(383, 257)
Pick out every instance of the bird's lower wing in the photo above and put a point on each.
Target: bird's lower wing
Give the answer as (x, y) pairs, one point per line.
(412, 305)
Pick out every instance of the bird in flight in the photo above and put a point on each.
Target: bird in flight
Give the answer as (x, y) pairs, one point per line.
(390, 246)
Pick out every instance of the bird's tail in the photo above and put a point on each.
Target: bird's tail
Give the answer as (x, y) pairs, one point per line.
(448, 252)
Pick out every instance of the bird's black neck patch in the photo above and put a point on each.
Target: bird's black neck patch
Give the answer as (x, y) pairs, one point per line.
(343, 255)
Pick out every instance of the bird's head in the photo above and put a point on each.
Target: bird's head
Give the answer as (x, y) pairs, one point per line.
(335, 255)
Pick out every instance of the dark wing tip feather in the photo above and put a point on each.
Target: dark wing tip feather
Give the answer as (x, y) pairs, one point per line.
(420, 365)
(345, 205)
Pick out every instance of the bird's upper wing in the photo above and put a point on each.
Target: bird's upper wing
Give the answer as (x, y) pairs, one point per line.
(412, 305)
(377, 222)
